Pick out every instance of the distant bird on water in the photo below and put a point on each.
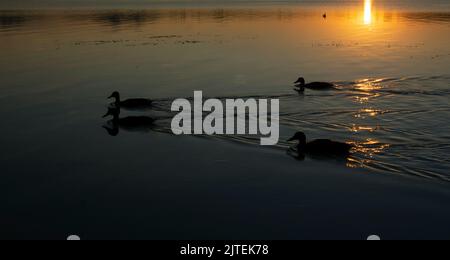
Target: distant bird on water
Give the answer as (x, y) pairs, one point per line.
(321, 147)
(131, 104)
(300, 85)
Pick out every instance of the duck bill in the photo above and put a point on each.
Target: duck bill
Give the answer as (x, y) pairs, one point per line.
(106, 115)
(110, 97)
(291, 139)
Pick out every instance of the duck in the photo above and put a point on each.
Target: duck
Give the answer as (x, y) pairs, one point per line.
(130, 104)
(301, 85)
(131, 124)
(321, 147)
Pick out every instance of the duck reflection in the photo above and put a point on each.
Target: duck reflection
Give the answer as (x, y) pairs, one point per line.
(142, 124)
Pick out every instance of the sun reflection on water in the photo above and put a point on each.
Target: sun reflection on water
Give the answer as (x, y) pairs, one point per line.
(366, 97)
(366, 90)
(366, 150)
(368, 85)
(370, 147)
(359, 128)
(367, 12)
(369, 112)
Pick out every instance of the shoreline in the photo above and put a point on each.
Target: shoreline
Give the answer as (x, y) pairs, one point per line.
(405, 5)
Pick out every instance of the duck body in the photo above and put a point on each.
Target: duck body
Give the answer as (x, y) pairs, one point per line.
(319, 86)
(135, 104)
(131, 104)
(321, 147)
(327, 147)
(301, 85)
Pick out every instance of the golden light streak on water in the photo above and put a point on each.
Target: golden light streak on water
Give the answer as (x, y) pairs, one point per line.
(367, 12)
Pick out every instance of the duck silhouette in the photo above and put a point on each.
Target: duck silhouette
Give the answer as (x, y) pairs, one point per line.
(300, 85)
(321, 147)
(141, 124)
(130, 104)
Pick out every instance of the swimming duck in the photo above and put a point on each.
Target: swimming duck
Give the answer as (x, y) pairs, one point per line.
(131, 104)
(301, 85)
(130, 124)
(321, 147)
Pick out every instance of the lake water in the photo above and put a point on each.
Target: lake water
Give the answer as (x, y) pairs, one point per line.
(390, 62)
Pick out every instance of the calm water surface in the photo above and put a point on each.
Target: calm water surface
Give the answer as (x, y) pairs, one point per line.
(390, 64)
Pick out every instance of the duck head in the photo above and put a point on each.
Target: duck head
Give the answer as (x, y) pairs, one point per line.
(115, 95)
(299, 136)
(301, 81)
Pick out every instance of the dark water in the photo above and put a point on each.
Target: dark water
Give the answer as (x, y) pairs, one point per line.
(391, 64)
(391, 68)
